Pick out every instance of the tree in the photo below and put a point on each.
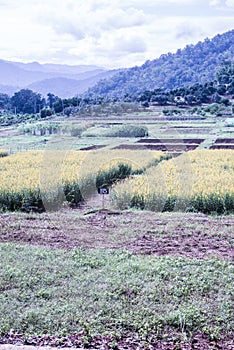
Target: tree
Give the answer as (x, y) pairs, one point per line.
(51, 98)
(27, 101)
(225, 78)
(4, 101)
(58, 105)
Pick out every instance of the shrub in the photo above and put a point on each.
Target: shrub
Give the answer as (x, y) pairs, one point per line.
(110, 176)
(128, 131)
(3, 153)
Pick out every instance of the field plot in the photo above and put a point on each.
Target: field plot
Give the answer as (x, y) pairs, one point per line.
(169, 141)
(223, 143)
(172, 148)
(127, 280)
(96, 131)
(200, 181)
(35, 178)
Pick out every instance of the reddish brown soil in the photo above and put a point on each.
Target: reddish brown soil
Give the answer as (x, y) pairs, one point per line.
(184, 118)
(189, 235)
(169, 141)
(222, 147)
(159, 147)
(224, 141)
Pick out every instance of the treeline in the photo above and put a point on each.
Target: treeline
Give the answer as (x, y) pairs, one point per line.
(26, 104)
(26, 101)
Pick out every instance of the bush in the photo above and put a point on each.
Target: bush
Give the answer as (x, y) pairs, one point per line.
(3, 153)
(45, 112)
(128, 131)
(105, 178)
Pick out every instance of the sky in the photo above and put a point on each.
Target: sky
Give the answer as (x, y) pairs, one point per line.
(107, 33)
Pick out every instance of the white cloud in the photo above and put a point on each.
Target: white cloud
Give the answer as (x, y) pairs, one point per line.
(215, 2)
(230, 3)
(109, 33)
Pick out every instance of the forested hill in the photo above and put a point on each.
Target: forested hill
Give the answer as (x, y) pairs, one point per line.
(193, 64)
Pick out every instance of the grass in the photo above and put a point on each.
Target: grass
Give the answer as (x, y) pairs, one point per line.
(105, 291)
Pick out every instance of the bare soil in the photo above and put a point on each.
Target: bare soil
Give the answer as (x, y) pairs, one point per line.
(178, 234)
(173, 342)
(171, 141)
(228, 140)
(159, 147)
(223, 146)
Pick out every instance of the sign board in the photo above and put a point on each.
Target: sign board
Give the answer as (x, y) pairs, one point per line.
(103, 190)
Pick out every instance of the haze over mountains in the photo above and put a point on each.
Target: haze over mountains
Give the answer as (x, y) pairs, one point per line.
(193, 64)
(62, 80)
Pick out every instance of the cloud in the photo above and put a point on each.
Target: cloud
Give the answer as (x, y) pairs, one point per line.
(130, 44)
(214, 3)
(187, 31)
(89, 19)
(230, 3)
(110, 33)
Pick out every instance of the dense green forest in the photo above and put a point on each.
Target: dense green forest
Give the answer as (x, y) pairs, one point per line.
(193, 64)
(220, 90)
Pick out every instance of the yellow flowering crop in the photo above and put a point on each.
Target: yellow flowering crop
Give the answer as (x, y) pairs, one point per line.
(32, 174)
(197, 180)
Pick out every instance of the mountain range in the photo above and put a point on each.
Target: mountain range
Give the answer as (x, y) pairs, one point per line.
(61, 80)
(190, 65)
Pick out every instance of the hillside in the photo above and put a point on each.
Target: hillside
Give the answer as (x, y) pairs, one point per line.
(193, 64)
(62, 80)
(66, 87)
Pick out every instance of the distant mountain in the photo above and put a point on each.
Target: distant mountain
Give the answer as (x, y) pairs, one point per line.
(57, 68)
(66, 87)
(61, 80)
(193, 64)
(8, 89)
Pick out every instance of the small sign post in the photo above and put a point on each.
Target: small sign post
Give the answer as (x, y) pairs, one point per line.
(103, 191)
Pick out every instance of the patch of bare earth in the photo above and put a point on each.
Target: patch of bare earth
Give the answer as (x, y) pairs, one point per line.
(178, 234)
(172, 342)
